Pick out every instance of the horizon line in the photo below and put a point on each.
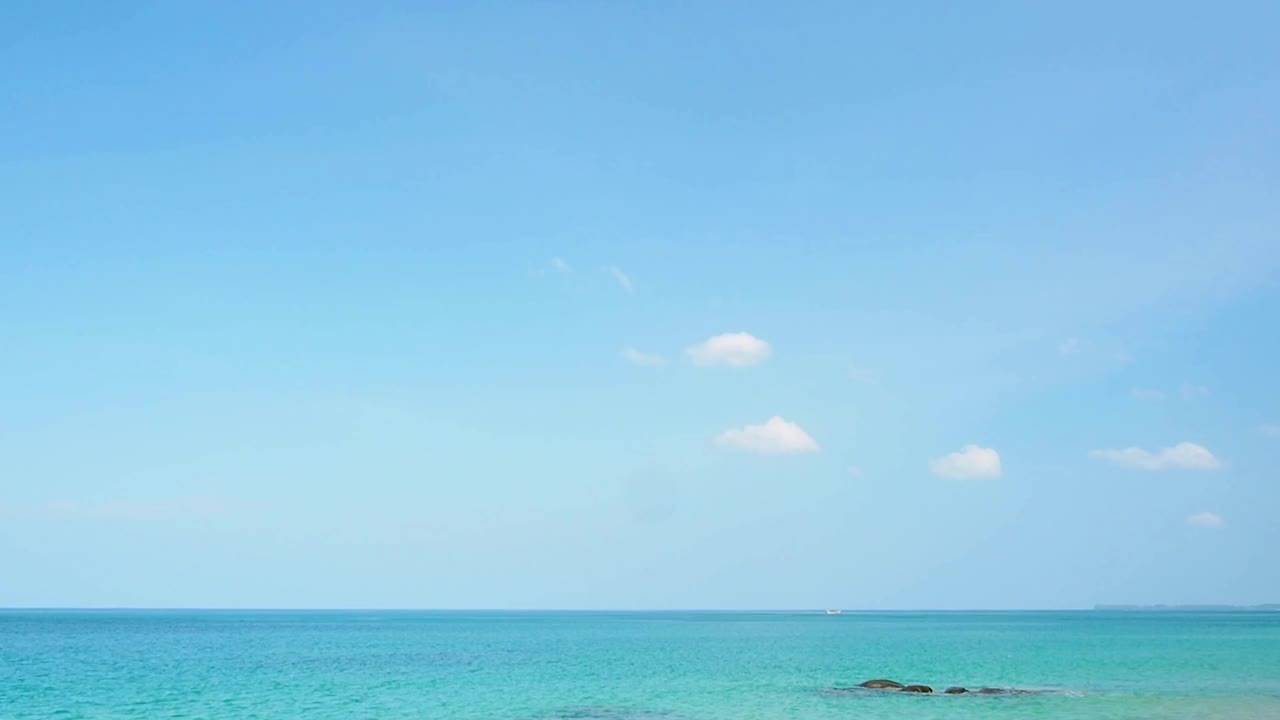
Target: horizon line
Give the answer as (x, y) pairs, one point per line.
(1101, 607)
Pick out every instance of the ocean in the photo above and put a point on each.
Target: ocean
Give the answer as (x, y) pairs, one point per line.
(217, 665)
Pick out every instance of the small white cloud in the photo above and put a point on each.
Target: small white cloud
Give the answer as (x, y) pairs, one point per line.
(560, 265)
(1148, 395)
(127, 510)
(971, 462)
(776, 436)
(738, 349)
(622, 279)
(1205, 520)
(639, 358)
(863, 375)
(1183, 456)
(1192, 392)
(1270, 429)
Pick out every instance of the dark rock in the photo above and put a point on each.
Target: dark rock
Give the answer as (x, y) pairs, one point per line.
(925, 689)
(882, 684)
(955, 691)
(992, 691)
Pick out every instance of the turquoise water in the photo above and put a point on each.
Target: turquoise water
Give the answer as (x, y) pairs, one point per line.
(633, 666)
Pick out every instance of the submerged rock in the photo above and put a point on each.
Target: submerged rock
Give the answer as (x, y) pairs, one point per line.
(895, 686)
(882, 684)
(605, 712)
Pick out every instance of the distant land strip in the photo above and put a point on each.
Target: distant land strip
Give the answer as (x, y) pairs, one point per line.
(1158, 608)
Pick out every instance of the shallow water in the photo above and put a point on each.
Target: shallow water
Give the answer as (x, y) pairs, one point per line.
(634, 666)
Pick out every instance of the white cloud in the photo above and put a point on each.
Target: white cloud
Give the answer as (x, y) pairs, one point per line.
(560, 265)
(1096, 351)
(1191, 392)
(1186, 391)
(1148, 394)
(1270, 429)
(125, 510)
(739, 349)
(971, 462)
(1205, 520)
(622, 279)
(639, 358)
(1183, 456)
(776, 436)
(863, 375)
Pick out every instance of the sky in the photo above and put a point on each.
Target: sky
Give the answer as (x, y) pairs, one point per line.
(639, 305)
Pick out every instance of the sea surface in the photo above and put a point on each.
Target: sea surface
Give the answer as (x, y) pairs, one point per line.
(634, 666)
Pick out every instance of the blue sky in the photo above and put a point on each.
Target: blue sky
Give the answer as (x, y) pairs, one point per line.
(652, 305)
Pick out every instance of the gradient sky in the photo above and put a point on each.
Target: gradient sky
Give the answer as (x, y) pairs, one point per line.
(315, 305)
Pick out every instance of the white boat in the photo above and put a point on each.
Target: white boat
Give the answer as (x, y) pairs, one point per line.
(833, 612)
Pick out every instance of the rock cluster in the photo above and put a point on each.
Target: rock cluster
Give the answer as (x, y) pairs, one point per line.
(895, 686)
